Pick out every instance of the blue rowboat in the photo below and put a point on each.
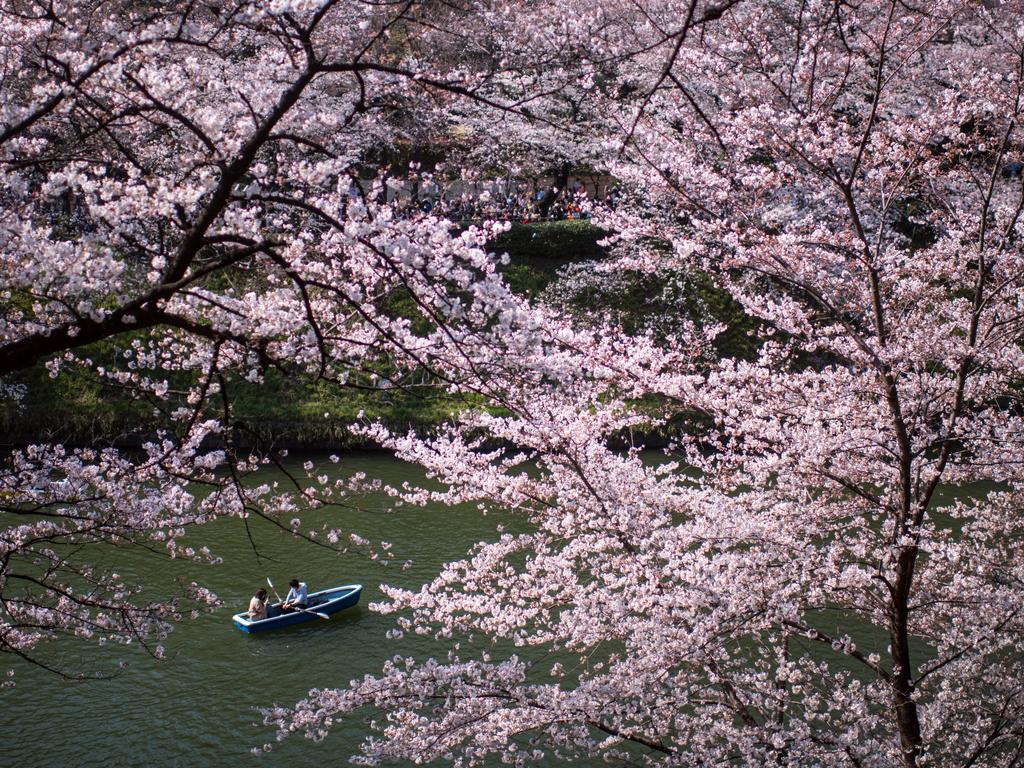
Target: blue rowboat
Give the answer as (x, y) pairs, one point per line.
(328, 602)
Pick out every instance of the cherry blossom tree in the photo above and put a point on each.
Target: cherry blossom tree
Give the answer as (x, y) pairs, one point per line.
(836, 579)
(196, 186)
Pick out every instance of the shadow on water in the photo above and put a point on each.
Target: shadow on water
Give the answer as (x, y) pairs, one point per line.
(308, 633)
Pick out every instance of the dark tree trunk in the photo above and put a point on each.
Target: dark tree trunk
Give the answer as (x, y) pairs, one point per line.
(551, 194)
(903, 686)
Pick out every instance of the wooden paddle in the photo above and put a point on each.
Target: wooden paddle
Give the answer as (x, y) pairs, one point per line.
(300, 610)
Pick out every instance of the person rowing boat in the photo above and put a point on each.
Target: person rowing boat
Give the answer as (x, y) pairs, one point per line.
(296, 598)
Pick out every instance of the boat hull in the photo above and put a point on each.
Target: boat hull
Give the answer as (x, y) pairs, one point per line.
(327, 602)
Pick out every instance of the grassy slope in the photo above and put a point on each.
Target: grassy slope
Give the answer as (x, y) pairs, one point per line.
(77, 407)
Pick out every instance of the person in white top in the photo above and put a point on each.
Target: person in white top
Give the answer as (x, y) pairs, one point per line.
(296, 597)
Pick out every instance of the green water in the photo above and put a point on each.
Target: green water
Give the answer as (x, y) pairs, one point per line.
(199, 706)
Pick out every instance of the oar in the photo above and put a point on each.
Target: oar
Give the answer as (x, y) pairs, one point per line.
(300, 610)
(271, 585)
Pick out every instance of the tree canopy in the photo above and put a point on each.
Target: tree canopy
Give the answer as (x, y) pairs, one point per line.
(205, 183)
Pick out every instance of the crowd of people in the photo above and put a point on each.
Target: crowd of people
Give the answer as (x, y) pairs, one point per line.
(515, 202)
(517, 205)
